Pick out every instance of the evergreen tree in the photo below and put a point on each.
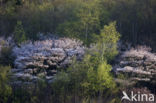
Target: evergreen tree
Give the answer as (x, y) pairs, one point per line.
(19, 33)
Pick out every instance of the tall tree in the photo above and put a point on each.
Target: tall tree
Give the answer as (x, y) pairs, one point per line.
(107, 42)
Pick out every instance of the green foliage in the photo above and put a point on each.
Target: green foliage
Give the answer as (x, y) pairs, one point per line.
(5, 89)
(85, 20)
(61, 87)
(104, 77)
(31, 93)
(98, 80)
(85, 24)
(91, 77)
(19, 33)
(10, 7)
(107, 42)
(80, 18)
(85, 79)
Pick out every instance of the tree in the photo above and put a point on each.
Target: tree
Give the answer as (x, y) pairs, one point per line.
(107, 42)
(85, 79)
(19, 33)
(89, 19)
(61, 87)
(91, 76)
(85, 23)
(104, 78)
(98, 80)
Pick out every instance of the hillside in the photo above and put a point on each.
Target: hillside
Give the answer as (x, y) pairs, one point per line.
(77, 51)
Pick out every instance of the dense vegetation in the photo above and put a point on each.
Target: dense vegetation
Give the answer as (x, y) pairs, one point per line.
(83, 81)
(5, 89)
(80, 18)
(101, 22)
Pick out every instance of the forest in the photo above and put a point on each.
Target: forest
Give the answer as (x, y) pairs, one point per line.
(76, 51)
